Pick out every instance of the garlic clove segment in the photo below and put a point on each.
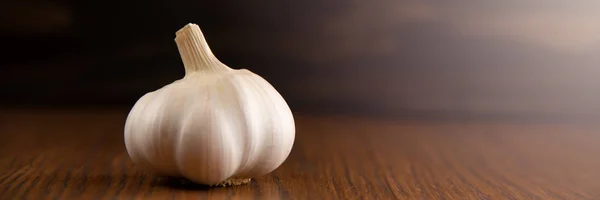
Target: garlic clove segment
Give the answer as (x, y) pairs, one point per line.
(215, 125)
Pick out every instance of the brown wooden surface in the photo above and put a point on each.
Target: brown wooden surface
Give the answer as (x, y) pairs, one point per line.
(79, 154)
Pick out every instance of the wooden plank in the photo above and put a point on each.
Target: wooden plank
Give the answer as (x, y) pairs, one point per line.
(80, 154)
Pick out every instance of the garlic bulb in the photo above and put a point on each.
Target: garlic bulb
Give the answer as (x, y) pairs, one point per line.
(215, 125)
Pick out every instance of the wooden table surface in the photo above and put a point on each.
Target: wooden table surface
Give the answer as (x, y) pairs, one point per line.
(79, 154)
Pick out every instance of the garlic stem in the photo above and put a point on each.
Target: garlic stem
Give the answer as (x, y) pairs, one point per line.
(195, 52)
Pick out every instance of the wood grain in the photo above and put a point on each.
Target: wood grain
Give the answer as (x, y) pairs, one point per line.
(79, 154)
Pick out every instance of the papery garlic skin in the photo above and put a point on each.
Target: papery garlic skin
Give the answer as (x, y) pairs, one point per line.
(214, 124)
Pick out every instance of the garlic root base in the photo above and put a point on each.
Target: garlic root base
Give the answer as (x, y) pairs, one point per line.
(233, 182)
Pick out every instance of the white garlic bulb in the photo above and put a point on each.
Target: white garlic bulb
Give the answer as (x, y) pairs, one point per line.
(216, 124)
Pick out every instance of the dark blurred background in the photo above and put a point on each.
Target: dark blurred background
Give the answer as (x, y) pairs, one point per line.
(510, 58)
